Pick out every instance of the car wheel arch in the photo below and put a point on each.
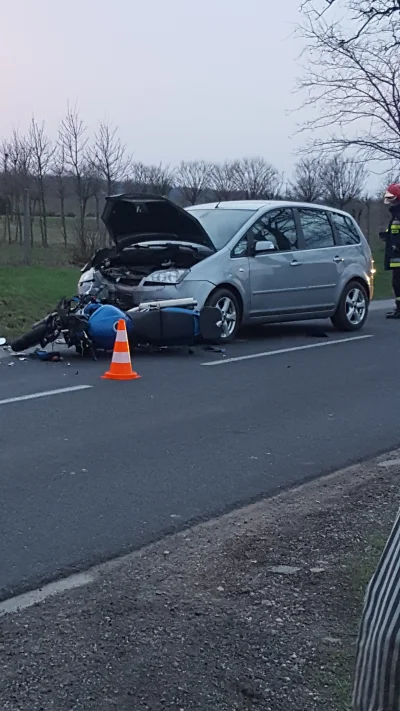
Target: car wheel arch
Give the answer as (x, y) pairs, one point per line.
(235, 291)
(359, 280)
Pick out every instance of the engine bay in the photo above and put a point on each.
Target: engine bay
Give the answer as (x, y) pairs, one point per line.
(129, 267)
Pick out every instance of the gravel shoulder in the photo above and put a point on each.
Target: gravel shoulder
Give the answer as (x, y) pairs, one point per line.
(255, 610)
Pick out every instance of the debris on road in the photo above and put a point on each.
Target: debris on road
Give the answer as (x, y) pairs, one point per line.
(215, 349)
(53, 356)
(285, 569)
(317, 333)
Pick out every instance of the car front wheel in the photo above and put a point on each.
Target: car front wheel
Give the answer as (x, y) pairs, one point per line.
(227, 302)
(352, 310)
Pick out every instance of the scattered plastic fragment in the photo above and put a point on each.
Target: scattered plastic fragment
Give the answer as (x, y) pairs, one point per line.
(52, 356)
(213, 349)
(317, 333)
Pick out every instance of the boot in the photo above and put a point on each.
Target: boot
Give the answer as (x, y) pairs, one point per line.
(396, 313)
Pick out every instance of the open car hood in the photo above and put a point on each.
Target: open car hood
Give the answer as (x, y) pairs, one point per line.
(132, 218)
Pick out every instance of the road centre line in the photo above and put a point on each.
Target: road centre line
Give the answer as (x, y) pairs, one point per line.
(45, 393)
(280, 351)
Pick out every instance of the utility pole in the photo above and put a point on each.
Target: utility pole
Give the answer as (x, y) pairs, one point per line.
(27, 229)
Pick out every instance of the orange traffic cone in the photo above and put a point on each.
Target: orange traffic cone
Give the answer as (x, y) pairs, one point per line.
(121, 366)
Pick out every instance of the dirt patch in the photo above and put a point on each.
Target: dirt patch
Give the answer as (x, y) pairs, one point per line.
(257, 610)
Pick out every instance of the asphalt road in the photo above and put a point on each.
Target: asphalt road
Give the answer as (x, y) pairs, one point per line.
(87, 475)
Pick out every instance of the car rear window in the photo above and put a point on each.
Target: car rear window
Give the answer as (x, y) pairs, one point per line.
(221, 224)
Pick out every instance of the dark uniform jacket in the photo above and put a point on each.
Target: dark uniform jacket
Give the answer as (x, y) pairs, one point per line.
(392, 243)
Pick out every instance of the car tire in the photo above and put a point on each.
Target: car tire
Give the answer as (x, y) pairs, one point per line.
(352, 310)
(230, 307)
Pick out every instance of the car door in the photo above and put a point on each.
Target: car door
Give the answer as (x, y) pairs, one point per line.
(321, 261)
(276, 279)
(349, 242)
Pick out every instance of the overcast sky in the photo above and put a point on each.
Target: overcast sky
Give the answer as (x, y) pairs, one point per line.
(182, 80)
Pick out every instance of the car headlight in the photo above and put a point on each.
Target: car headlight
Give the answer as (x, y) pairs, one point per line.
(86, 281)
(167, 276)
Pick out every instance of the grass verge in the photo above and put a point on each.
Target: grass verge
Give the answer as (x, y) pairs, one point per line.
(28, 293)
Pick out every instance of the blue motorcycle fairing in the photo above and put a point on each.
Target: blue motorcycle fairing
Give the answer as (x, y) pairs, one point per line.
(102, 324)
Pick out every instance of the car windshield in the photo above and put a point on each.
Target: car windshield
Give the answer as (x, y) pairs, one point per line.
(221, 224)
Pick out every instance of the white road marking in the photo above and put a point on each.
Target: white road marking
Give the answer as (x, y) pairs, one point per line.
(264, 354)
(45, 393)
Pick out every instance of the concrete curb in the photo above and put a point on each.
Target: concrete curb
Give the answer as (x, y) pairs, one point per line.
(382, 305)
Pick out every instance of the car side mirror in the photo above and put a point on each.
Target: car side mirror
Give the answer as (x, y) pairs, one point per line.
(264, 245)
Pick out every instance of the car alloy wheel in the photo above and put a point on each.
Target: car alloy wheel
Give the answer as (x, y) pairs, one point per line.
(355, 306)
(229, 315)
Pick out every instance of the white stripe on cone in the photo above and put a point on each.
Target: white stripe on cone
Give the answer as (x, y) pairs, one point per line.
(121, 358)
(121, 336)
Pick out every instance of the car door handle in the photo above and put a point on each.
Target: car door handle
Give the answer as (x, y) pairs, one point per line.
(295, 263)
(338, 259)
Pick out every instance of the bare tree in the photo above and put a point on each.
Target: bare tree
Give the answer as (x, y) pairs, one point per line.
(42, 154)
(255, 179)
(6, 189)
(160, 179)
(156, 179)
(343, 181)
(365, 16)
(307, 185)
(223, 180)
(353, 91)
(193, 178)
(61, 186)
(19, 159)
(109, 157)
(73, 142)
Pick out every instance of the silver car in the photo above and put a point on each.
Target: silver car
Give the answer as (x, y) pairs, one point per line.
(259, 261)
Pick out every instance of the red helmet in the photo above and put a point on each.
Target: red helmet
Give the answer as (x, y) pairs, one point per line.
(392, 194)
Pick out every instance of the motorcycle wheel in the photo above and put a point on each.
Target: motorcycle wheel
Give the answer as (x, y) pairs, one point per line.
(30, 339)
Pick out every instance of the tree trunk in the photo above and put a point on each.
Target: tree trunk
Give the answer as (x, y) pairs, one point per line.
(63, 220)
(42, 202)
(7, 224)
(33, 208)
(96, 197)
(18, 235)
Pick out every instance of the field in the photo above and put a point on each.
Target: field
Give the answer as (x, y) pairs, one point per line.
(27, 293)
(55, 255)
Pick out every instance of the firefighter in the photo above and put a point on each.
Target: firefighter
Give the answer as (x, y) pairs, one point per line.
(392, 242)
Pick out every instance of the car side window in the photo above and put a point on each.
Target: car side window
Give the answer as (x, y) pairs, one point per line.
(241, 248)
(277, 226)
(346, 230)
(317, 229)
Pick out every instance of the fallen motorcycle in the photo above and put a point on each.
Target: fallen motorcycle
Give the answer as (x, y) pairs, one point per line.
(89, 325)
